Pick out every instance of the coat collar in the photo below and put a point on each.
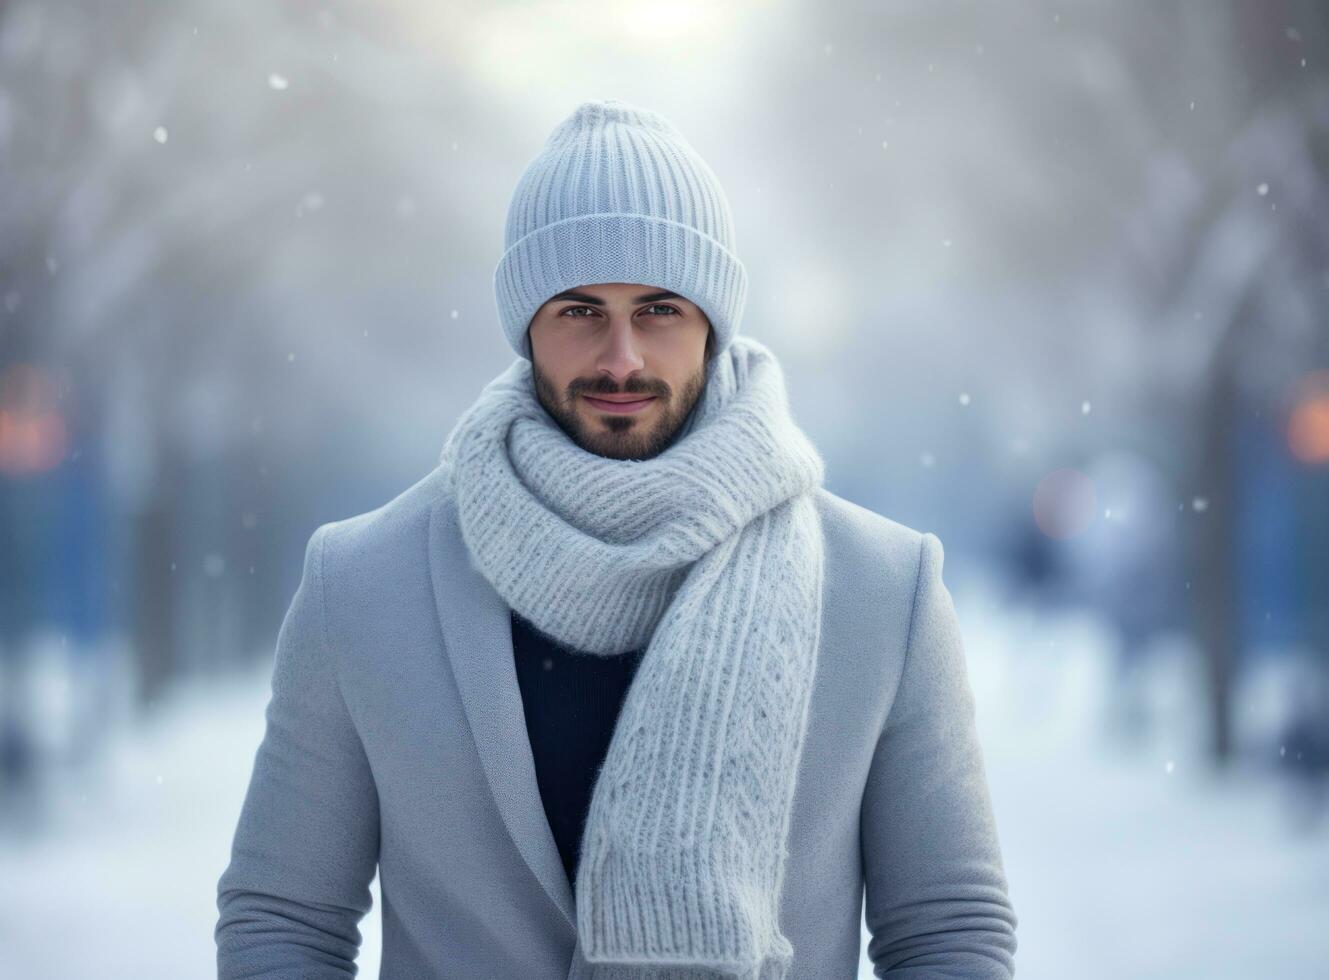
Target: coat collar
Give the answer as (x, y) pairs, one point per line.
(477, 632)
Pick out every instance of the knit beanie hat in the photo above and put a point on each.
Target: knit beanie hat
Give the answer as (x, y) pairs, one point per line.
(617, 194)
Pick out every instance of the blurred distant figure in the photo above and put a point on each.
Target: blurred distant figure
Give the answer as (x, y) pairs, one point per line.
(1304, 751)
(1124, 565)
(16, 757)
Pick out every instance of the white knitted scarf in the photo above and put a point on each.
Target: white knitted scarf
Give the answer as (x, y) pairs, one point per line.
(709, 555)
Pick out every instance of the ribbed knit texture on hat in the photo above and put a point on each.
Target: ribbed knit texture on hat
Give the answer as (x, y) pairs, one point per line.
(710, 555)
(617, 194)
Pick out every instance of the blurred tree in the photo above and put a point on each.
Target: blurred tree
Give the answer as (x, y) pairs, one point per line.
(230, 230)
(1230, 248)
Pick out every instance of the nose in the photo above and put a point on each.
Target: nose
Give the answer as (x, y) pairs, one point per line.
(620, 357)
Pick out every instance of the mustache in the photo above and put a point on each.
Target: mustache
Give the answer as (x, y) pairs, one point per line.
(603, 386)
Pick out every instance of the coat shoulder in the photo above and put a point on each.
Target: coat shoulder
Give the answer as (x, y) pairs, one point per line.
(378, 544)
(856, 534)
(873, 564)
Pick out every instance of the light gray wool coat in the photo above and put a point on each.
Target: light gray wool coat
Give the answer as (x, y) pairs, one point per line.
(396, 742)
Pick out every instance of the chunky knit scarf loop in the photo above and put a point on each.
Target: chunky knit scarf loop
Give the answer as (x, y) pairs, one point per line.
(709, 555)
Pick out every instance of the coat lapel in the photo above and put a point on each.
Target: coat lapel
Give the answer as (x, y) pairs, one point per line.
(477, 632)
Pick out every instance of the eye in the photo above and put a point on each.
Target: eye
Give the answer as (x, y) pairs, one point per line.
(664, 306)
(571, 308)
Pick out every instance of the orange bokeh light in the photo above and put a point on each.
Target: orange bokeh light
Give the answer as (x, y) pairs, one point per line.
(1308, 422)
(33, 437)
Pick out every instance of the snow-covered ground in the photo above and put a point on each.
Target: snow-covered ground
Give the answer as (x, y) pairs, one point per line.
(1122, 863)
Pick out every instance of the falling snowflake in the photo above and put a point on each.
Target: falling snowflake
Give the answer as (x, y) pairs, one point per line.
(159, 134)
(277, 82)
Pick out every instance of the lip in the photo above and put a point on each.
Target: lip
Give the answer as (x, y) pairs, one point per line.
(619, 407)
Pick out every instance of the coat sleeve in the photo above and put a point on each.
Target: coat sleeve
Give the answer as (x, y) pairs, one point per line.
(306, 846)
(936, 890)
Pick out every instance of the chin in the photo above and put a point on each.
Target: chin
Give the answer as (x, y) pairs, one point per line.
(623, 445)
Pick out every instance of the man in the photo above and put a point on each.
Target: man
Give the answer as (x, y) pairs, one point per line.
(620, 690)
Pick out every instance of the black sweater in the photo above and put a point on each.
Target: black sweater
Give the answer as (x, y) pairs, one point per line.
(572, 700)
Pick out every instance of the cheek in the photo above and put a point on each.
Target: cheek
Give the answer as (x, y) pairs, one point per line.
(683, 371)
(563, 354)
(552, 359)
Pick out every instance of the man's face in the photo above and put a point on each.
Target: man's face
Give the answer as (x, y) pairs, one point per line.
(619, 365)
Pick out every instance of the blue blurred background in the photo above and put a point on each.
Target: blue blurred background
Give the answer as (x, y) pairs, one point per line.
(1050, 280)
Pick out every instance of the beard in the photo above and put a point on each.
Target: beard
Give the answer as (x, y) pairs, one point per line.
(620, 436)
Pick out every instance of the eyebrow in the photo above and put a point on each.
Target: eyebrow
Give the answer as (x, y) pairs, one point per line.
(588, 298)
